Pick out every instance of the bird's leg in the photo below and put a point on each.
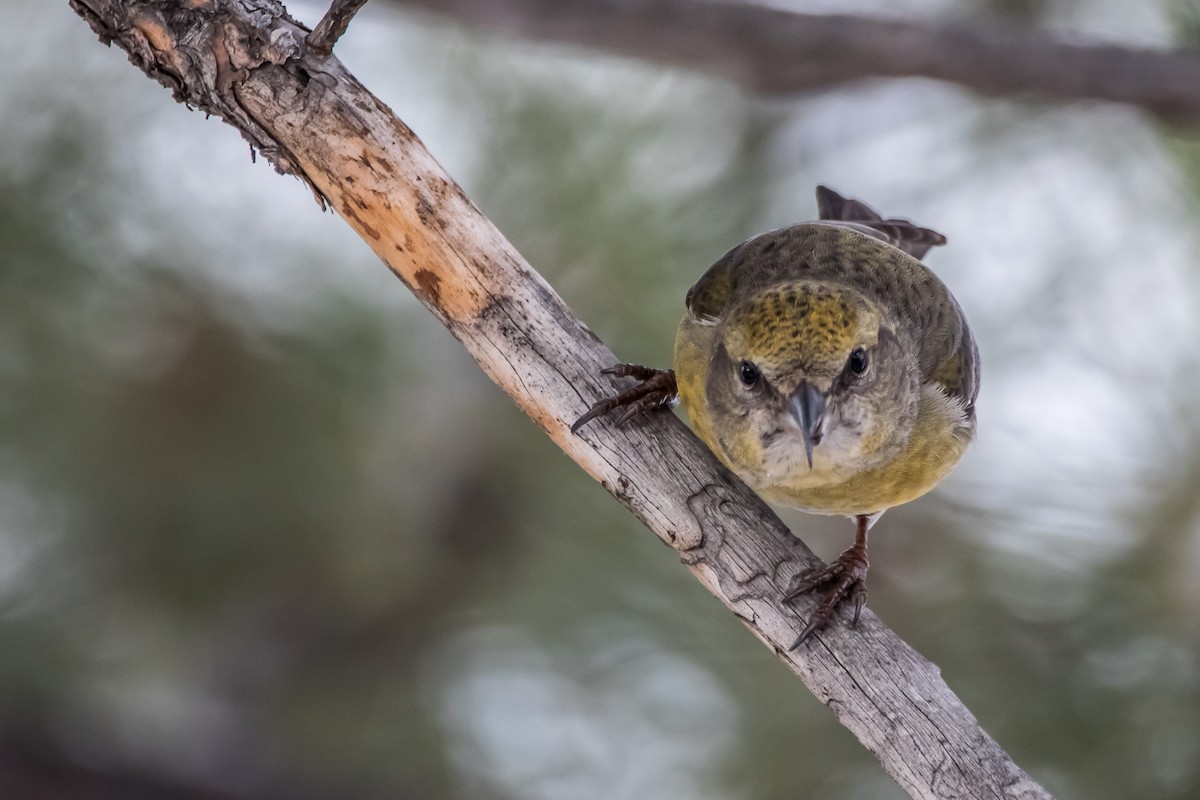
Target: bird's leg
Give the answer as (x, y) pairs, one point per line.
(847, 577)
(657, 389)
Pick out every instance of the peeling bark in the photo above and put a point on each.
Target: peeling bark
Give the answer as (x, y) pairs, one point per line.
(245, 61)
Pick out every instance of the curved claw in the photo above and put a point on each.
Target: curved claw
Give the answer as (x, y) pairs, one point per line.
(657, 389)
(809, 629)
(858, 596)
(599, 408)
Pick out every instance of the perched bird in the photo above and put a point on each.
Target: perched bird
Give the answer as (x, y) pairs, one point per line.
(829, 369)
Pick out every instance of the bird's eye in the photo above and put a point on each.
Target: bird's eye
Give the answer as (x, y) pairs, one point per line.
(748, 373)
(858, 361)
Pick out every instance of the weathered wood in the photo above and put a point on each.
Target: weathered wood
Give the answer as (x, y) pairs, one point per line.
(245, 60)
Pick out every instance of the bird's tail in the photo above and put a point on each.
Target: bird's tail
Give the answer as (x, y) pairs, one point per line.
(908, 236)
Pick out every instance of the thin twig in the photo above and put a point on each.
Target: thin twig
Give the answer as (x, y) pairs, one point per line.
(333, 25)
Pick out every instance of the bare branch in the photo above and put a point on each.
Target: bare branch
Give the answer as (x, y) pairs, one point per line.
(244, 60)
(773, 50)
(333, 25)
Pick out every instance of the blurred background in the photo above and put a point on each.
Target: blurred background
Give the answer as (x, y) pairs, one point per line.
(266, 531)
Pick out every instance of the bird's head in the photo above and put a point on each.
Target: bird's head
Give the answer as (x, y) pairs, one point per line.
(809, 375)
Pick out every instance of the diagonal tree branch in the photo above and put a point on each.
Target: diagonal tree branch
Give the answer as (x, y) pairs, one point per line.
(245, 60)
(773, 50)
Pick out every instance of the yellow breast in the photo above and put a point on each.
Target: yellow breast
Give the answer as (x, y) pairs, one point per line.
(936, 443)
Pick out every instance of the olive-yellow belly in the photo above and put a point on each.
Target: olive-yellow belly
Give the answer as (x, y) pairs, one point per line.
(937, 440)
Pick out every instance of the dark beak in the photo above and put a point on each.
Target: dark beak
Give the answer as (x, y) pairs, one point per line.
(807, 404)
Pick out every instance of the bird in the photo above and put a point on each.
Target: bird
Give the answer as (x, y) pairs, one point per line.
(828, 368)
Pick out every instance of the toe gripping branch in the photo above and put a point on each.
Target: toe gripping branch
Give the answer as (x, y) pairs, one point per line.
(657, 388)
(846, 578)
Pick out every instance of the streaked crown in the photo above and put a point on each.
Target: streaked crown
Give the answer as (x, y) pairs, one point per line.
(800, 327)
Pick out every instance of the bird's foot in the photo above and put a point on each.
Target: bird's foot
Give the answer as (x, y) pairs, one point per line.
(657, 389)
(846, 578)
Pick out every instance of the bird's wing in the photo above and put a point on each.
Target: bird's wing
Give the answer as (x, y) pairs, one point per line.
(908, 236)
(957, 371)
(955, 358)
(709, 296)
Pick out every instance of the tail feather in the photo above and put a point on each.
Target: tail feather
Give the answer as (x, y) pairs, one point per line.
(908, 236)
